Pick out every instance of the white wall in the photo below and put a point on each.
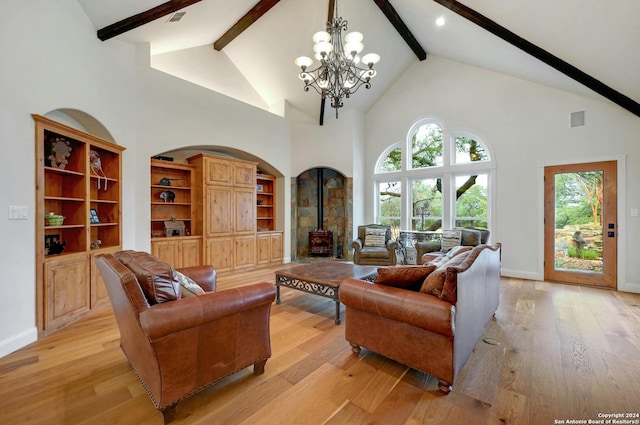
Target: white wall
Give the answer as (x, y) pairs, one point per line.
(527, 126)
(52, 59)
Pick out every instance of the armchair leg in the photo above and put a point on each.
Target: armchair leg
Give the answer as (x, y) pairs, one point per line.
(169, 413)
(355, 348)
(444, 386)
(258, 368)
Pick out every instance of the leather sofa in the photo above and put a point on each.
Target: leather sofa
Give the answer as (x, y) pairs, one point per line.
(179, 344)
(434, 328)
(380, 253)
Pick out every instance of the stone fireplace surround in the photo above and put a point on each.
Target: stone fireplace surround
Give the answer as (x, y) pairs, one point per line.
(321, 200)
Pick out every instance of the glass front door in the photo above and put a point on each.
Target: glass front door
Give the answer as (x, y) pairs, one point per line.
(580, 223)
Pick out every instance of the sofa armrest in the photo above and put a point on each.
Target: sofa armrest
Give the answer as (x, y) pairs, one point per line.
(205, 276)
(415, 308)
(357, 244)
(174, 316)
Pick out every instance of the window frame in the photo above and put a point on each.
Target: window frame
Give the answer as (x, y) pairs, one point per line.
(447, 172)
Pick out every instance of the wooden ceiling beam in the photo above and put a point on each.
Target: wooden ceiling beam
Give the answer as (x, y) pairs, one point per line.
(245, 22)
(142, 18)
(543, 55)
(397, 22)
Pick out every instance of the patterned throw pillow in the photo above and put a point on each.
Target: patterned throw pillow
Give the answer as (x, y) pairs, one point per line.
(450, 239)
(375, 237)
(189, 285)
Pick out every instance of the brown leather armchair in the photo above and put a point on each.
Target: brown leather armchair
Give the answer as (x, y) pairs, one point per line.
(180, 345)
(374, 246)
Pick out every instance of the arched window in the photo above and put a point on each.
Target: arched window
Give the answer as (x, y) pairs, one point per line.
(443, 182)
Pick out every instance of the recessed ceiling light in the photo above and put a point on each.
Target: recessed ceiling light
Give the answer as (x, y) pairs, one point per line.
(440, 21)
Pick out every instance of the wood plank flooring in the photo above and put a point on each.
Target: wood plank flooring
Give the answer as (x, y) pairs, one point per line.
(564, 352)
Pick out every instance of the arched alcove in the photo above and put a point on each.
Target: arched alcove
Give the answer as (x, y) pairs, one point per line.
(322, 202)
(80, 120)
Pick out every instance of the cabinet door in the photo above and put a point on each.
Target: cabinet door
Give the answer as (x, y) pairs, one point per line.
(245, 175)
(219, 253)
(218, 172)
(218, 210)
(67, 284)
(263, 248)
(245, 210)
(190, 253)
(99, 294)
(276, 240)
(244, 251)
(167, 251)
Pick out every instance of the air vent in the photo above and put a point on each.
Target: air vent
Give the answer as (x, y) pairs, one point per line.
(176, 16)
(577, 119)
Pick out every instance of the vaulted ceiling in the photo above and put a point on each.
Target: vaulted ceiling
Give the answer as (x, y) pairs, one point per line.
(585, 46)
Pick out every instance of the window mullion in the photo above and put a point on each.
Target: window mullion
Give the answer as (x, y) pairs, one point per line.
(449, 199)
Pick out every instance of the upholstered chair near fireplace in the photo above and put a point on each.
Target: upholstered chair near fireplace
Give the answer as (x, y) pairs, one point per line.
(374, 246)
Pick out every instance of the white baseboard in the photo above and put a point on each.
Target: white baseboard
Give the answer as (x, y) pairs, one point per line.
(630, 287)
(16, 342)
(519, 274)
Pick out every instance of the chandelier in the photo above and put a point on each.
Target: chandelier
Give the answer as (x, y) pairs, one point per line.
(341, 71)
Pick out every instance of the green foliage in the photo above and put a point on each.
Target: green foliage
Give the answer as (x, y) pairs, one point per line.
(393, 162)
(578, 198)
(426, 145)
(475, 151)
(585, 254)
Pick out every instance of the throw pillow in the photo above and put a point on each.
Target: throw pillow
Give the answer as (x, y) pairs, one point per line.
(450, 239)
(405, 277)
(435, 282)
(375, 237)
(189, 286)
(156, 278)
(457, 250)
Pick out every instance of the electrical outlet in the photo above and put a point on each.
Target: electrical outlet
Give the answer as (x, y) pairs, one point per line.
(634, 212)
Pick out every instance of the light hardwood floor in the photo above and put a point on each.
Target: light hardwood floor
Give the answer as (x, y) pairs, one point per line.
(564, 352)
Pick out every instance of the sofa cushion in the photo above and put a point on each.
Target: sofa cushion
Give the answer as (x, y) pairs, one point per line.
(406, 277)
(450, 239)
(188, 286)
(375, 237)
(156, 278)
(434, 283)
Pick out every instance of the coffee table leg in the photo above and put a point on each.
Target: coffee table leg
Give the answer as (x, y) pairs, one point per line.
(278, 290)
(337, 312)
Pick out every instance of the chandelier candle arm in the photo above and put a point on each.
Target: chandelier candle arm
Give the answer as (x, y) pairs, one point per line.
(339, 74)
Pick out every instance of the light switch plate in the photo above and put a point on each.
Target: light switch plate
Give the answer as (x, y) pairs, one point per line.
(18, 212)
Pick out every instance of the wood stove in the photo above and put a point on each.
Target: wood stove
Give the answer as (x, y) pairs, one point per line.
(321, 242)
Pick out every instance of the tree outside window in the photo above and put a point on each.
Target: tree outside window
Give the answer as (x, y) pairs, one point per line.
(438, 174)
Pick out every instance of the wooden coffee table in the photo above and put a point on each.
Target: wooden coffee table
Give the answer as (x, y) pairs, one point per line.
(322, 279)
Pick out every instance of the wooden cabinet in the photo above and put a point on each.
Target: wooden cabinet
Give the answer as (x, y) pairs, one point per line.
(179, 252)
(172, 198)
(269, 247)
(78, 177)
(226, 188)
(67, 291)
(171, 195)
(266, 203)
